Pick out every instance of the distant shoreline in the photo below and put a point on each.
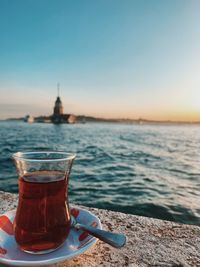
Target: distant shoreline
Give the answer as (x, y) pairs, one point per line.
(89, 119)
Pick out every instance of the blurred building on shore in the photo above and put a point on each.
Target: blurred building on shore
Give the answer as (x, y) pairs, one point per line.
(58, 115)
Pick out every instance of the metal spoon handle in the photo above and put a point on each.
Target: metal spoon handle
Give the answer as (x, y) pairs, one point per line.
(113, 239)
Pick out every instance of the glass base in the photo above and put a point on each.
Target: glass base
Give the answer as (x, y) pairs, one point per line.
(42, 251)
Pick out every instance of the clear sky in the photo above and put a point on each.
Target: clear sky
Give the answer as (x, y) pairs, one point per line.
(113, 58)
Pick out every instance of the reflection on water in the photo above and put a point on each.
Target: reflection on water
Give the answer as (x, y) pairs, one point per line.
(139, 169)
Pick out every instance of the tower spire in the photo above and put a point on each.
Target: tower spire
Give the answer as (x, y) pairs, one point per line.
(58, 88)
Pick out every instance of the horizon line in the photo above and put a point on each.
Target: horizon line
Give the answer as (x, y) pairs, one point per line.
(140, 119)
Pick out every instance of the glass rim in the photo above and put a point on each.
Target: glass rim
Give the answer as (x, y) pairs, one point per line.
(21, 156)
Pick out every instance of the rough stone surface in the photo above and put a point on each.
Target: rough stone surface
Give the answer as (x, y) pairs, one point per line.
(151, 242)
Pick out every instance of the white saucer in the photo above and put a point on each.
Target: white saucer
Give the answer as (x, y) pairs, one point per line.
(76, 243)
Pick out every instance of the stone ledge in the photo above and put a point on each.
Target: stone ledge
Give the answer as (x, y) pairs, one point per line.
(151, 242)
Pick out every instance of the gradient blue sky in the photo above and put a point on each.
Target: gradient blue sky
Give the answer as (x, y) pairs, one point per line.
(113, 58)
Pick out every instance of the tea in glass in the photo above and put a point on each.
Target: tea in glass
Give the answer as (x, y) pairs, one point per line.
(42, 221)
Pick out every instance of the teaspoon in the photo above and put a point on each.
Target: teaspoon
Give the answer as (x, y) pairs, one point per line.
(114, 239)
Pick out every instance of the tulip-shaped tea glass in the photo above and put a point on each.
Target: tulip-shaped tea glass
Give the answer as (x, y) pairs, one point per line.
(42, 221)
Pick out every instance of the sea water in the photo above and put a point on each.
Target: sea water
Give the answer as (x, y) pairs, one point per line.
(150, 170)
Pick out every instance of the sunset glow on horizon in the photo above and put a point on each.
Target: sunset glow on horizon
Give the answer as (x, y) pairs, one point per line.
(113, 59)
